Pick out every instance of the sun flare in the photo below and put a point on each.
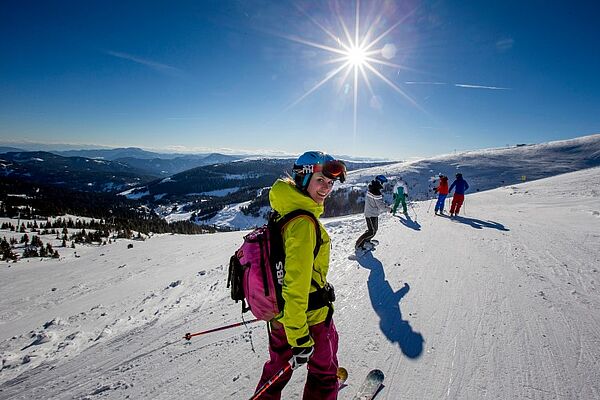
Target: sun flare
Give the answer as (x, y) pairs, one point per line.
(357, 57)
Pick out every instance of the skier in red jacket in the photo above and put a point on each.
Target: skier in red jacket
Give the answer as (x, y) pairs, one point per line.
(442, 190)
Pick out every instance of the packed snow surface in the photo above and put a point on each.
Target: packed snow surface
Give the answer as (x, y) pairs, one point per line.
(499, 303)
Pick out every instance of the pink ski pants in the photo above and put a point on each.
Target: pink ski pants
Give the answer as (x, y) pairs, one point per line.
(321, 382)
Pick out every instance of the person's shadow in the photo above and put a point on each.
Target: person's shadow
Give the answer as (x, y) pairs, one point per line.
(386, 304)
(408, 222)
(480, 224)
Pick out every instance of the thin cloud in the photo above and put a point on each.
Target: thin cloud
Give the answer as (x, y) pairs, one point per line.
(159, 67)
(468, 86)
(461, 85)
(505, 44)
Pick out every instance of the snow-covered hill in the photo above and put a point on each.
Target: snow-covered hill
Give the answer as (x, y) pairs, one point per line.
(483, 169)
(491, 168)
(501, 303)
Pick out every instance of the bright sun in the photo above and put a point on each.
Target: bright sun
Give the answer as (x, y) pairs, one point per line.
(356, 55)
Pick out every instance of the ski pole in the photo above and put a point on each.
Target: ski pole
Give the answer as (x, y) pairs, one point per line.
(271, 381)
(188, 335)
(411, 206)
(430, 203)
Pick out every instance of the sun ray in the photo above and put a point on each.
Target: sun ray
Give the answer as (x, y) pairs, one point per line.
(393, 86)
(387, 63)
(370, 30)
(317, 23)
(316, 45)
(318, 85)
(366, 78)
(346, 74)
(355, 101)
(390, 29)
(357, 54)
(357, 25)
(345, 29)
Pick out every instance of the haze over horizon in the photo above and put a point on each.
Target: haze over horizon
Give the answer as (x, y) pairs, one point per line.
(372, 79)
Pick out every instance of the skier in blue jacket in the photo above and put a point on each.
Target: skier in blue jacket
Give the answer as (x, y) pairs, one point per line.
(460, 186)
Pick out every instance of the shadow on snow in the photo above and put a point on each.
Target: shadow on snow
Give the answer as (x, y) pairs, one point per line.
(386, 304)
(480, 224)
(408, 222)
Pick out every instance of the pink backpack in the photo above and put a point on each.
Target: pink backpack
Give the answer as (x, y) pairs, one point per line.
(256, 270)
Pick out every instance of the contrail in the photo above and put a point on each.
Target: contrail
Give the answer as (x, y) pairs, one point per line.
(465, 85)
(163, 68)
(461, 85)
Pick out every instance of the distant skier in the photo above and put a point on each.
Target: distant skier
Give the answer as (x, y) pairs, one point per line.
(460, 186)
(304, 332)
(374, 205)
(442, 190)
(400, 195)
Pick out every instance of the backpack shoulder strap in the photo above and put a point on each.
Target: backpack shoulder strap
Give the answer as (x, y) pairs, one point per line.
(316, 299)
(303, 213)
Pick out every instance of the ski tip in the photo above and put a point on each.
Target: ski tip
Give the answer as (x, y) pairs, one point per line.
(377, 373)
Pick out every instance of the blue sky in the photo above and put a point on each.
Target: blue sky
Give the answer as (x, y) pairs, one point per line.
(244, 75)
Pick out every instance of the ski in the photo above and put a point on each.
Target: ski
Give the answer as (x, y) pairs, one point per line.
(372, 384)
(367, 247)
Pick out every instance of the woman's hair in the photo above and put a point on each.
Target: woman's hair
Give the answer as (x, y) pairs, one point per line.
(288, 179)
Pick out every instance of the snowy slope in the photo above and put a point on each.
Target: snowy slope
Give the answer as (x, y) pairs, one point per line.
(483, 169)
(502, 303)
(491, 168)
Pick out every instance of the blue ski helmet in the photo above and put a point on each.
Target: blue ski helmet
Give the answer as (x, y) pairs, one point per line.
(317, 161)
(382, 179)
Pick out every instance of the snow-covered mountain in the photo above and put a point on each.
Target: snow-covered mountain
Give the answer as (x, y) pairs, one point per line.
(502, 302)
(483, 169)
(491, 168)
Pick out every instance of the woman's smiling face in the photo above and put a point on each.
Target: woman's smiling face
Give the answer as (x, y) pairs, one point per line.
(319, 187)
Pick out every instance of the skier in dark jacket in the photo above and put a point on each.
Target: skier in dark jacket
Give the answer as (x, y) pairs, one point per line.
(460, 186)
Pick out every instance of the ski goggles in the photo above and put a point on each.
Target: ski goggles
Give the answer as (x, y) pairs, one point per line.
(332, 169)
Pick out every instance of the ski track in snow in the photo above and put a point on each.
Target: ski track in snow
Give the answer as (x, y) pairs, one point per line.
(499, 303)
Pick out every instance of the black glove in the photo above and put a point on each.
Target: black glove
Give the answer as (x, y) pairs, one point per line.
(301, 355)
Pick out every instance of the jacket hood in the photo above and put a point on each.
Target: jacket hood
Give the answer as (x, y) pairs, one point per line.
(285, 198)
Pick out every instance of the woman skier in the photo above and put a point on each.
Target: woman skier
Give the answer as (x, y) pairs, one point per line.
(304, 333)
